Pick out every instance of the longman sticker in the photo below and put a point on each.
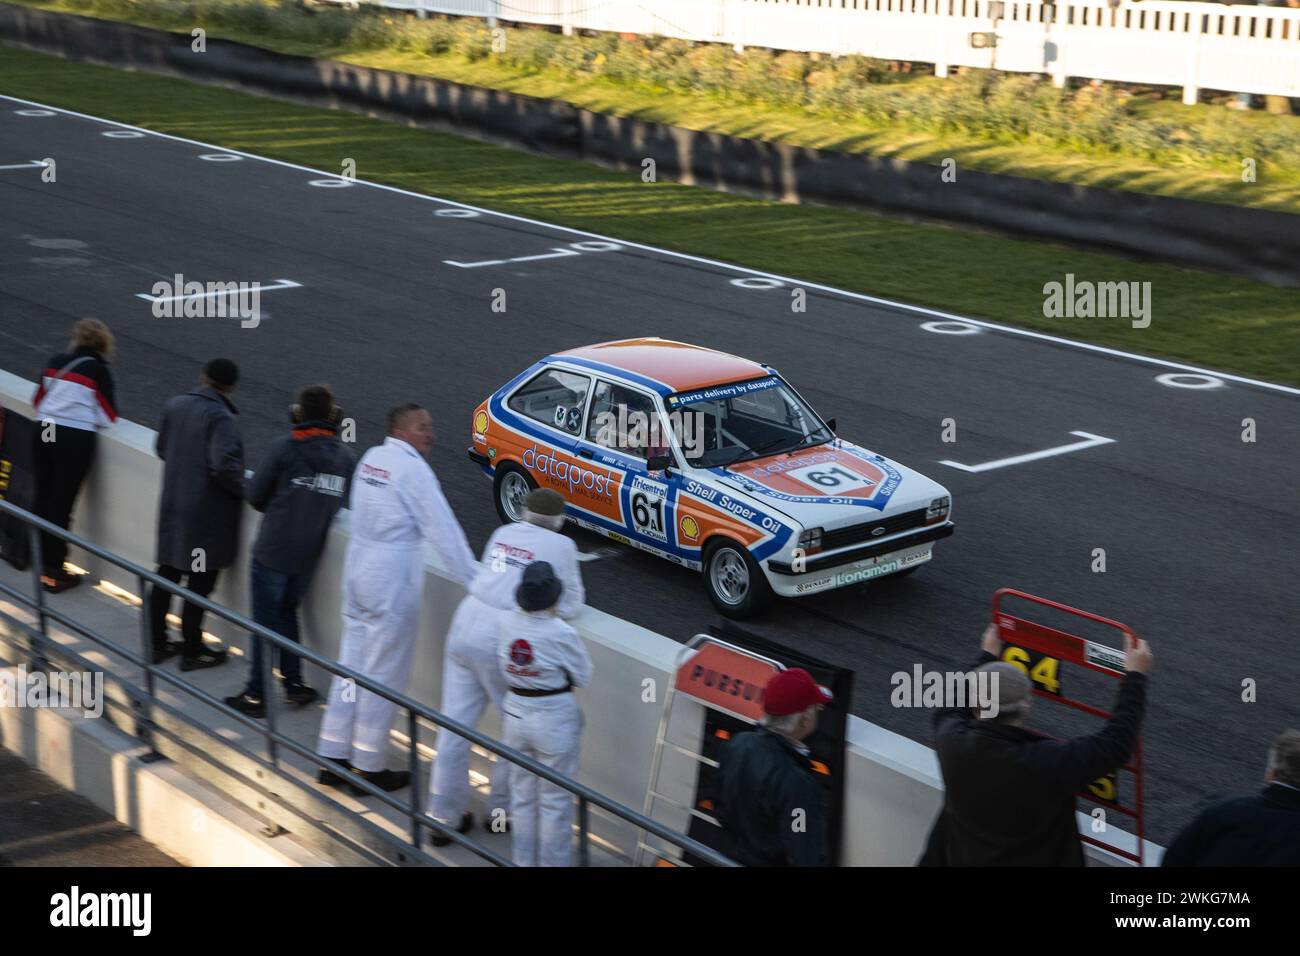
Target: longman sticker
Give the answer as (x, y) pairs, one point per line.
(1107, 657)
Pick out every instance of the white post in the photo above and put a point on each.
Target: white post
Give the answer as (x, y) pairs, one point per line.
(1059, 36)
(1191, 89)
(566, 18)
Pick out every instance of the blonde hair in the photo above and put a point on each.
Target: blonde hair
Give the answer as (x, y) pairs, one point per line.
(94, 334)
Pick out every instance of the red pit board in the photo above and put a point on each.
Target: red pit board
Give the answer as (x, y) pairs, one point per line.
(1061, 646)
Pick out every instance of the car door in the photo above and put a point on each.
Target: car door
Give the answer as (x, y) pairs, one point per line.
(624, 428)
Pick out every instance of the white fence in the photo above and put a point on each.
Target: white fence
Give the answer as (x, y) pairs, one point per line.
(1239, 48)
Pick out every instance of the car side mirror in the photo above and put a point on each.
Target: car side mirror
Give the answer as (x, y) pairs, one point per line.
(658, 463)
(830, 423)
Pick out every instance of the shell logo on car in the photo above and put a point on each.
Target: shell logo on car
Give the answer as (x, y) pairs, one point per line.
(709, 460)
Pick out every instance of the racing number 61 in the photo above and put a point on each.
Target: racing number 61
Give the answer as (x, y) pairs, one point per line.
(646, 513)
(827, 477)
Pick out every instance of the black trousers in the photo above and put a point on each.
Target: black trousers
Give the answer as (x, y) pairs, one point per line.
(61, 469)
(201, 583)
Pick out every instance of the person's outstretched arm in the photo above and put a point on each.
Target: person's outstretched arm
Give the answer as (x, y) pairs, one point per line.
(1078, 762)
(423, 495)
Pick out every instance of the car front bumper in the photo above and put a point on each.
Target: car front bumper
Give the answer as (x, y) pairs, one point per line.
(854, 565)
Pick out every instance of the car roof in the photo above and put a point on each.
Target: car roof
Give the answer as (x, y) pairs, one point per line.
(665, 365)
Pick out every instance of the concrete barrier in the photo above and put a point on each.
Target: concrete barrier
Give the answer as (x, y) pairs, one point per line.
(893, 788)
(185, 818)
(1261, 244)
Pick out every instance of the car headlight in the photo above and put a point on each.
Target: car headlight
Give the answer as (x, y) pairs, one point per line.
(938, 509)
(811, 540)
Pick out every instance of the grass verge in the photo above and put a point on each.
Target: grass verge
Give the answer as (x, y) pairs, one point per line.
(997, 123)
(1198, 317)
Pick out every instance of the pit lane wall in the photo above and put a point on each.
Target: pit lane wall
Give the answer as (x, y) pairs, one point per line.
(1260, 244)
(892, 789)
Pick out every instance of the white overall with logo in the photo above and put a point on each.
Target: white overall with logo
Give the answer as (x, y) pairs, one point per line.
(471, 674)
(540, 651)
(397, 506)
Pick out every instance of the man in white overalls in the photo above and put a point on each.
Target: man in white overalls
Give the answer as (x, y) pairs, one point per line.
(471, 676)
(397, 506)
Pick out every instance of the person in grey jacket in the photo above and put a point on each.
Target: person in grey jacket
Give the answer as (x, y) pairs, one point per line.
(202, 496)
(299, 487)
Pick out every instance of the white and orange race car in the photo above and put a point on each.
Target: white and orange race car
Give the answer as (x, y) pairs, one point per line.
(711, 461)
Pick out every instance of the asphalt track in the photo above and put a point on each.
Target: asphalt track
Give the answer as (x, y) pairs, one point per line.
(1200, 530)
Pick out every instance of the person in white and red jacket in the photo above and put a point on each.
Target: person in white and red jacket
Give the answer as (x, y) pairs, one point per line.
(74, 400)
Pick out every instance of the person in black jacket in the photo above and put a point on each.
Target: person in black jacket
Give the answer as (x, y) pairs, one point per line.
(1259, 830)
(769, 801)
(75, 399)
(1009, 793)
(201, 505)
(301, 485)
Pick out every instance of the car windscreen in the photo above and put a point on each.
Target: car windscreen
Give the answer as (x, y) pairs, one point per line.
(742, 420)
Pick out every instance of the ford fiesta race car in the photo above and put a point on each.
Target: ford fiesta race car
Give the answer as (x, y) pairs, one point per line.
(711, 461)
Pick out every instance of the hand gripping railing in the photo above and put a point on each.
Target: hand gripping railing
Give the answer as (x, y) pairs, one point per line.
(587, 797)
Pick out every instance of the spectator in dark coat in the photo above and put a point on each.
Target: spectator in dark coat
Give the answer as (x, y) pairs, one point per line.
(74, 400)
(1260, 830)
(1009, 793)
(299, 487)
(198, 516)
(769, 800)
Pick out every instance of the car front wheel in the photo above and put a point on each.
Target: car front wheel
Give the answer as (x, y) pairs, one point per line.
(735, 583)
(510, 488)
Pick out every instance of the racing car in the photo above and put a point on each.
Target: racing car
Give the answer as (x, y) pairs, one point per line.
(712, 461)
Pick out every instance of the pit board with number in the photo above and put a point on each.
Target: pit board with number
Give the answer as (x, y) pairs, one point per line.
(1040, 651)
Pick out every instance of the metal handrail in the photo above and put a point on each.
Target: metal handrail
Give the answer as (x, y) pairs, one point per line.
(274, 739)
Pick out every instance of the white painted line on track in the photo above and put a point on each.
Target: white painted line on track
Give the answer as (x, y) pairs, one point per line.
(598, 554)
(687, 257)
(475, 265)
(35, 112)
(34, 164)
(1089, 441)
(279, 284)
(557, 252)
(337, 183)
(125, 134)
(1190, 380)
(222, 158)
(757, 282)
(456, 213)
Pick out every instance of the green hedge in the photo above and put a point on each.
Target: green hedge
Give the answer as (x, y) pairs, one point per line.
(988, 105)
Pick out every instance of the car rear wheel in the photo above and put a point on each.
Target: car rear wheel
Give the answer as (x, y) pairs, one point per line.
(510, 488)
(735, 583)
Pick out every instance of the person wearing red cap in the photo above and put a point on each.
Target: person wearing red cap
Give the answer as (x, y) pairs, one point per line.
(769, 801)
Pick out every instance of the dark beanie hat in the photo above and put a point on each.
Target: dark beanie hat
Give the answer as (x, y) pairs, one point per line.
(222, 371)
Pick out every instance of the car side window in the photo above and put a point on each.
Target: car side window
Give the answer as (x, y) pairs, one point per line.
(554, 397)
(625, 420)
